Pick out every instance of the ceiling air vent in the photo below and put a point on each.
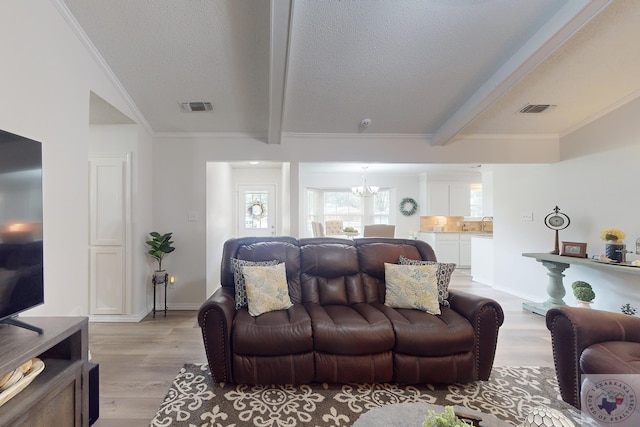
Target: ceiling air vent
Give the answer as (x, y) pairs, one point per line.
(196, 106)
(535, 108)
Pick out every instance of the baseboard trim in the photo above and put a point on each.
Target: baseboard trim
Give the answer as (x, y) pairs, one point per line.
(134, 318)
(113, 318)
(183, 307)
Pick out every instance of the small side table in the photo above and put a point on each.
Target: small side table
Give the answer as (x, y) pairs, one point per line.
(160, 280)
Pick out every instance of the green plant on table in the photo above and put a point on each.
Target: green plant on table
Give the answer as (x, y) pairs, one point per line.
(350, 230)
(582, 291)
(447, 418)
(628, 309)
(159, 246)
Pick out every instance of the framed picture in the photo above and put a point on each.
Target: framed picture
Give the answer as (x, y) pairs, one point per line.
(574, 249)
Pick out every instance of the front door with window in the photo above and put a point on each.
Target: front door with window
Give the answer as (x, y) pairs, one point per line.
(256, 210)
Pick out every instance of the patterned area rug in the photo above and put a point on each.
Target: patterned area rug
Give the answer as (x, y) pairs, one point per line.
(195, 400)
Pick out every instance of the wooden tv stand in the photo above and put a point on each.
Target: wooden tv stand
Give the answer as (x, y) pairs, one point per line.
(59, 395)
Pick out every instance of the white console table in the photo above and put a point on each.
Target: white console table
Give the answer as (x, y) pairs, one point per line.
(557, 264)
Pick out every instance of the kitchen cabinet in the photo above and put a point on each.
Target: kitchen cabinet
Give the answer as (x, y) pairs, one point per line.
(448, 199)
(482, 259)
(465, 250)
(438, 199)
(450, 247)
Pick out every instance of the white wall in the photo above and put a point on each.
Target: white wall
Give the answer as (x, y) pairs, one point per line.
(596, 185)
(45, 79)
(220, 219)
(487, 193)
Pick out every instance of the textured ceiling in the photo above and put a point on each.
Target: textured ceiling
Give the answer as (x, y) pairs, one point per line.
(437, 68)
(594, 71)
(407, 65)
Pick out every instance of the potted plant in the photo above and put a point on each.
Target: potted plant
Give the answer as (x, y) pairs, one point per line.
(583, 293)
(614, 248)
(350, 231)
(612, 235)
(159, 246)
(628, 309)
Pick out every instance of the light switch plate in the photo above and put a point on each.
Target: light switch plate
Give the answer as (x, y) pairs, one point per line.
(192, 215)
(527, 216)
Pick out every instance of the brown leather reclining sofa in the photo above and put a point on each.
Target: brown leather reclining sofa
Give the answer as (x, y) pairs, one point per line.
(338, 329)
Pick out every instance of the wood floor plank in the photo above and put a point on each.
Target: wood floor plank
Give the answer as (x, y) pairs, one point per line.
(138, 361)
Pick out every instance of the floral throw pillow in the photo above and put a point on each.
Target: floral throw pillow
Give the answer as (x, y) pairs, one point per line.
(412, 286)
(238, 278)
(445, 270)
(267, 288)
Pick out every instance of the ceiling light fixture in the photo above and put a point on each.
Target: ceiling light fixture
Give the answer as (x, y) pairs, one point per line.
(364, 190)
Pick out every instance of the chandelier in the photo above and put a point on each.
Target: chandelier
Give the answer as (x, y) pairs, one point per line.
(364, 190)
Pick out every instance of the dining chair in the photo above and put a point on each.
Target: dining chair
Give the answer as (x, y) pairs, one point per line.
(379, 230)
(333, 228)
(317, 229)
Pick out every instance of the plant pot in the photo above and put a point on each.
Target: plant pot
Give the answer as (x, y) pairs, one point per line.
(160, 276)
(584, 304)
(614, 251)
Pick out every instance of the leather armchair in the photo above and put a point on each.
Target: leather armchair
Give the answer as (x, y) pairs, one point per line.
(587, 341)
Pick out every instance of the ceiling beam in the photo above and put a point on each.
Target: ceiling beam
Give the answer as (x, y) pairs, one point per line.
(280, 32)
(550, 37)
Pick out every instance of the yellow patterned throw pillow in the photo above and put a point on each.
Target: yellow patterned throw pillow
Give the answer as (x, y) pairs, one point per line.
(267, 288)
(412, 286)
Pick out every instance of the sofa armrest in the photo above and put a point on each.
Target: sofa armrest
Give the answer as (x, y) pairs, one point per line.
(573, 330)
(486, 317)
(215, 319)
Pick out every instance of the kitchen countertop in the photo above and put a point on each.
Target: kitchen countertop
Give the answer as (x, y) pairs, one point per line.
(472, 232)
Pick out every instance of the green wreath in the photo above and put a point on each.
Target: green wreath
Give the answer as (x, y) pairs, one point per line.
(257, 210)
(403, 206)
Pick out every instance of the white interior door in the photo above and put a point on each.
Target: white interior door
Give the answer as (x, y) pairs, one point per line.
(109, 220)
(107, 293)
(257, 210)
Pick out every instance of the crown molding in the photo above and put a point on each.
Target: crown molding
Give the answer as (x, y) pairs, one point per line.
(421, 138)
(507, 137)
(210, 135)
(102, 64)
(357, 136)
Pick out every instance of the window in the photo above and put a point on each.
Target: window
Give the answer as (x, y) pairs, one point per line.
(476, 200)
(256, 206)
(381, 207)
(342, 205)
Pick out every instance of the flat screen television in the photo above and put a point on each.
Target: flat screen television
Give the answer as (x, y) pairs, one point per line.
(21, 251)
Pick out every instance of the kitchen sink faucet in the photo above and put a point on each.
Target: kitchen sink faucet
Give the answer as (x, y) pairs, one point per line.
(483, 222)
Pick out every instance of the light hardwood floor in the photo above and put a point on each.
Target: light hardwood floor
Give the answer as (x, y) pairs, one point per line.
(138, 361)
